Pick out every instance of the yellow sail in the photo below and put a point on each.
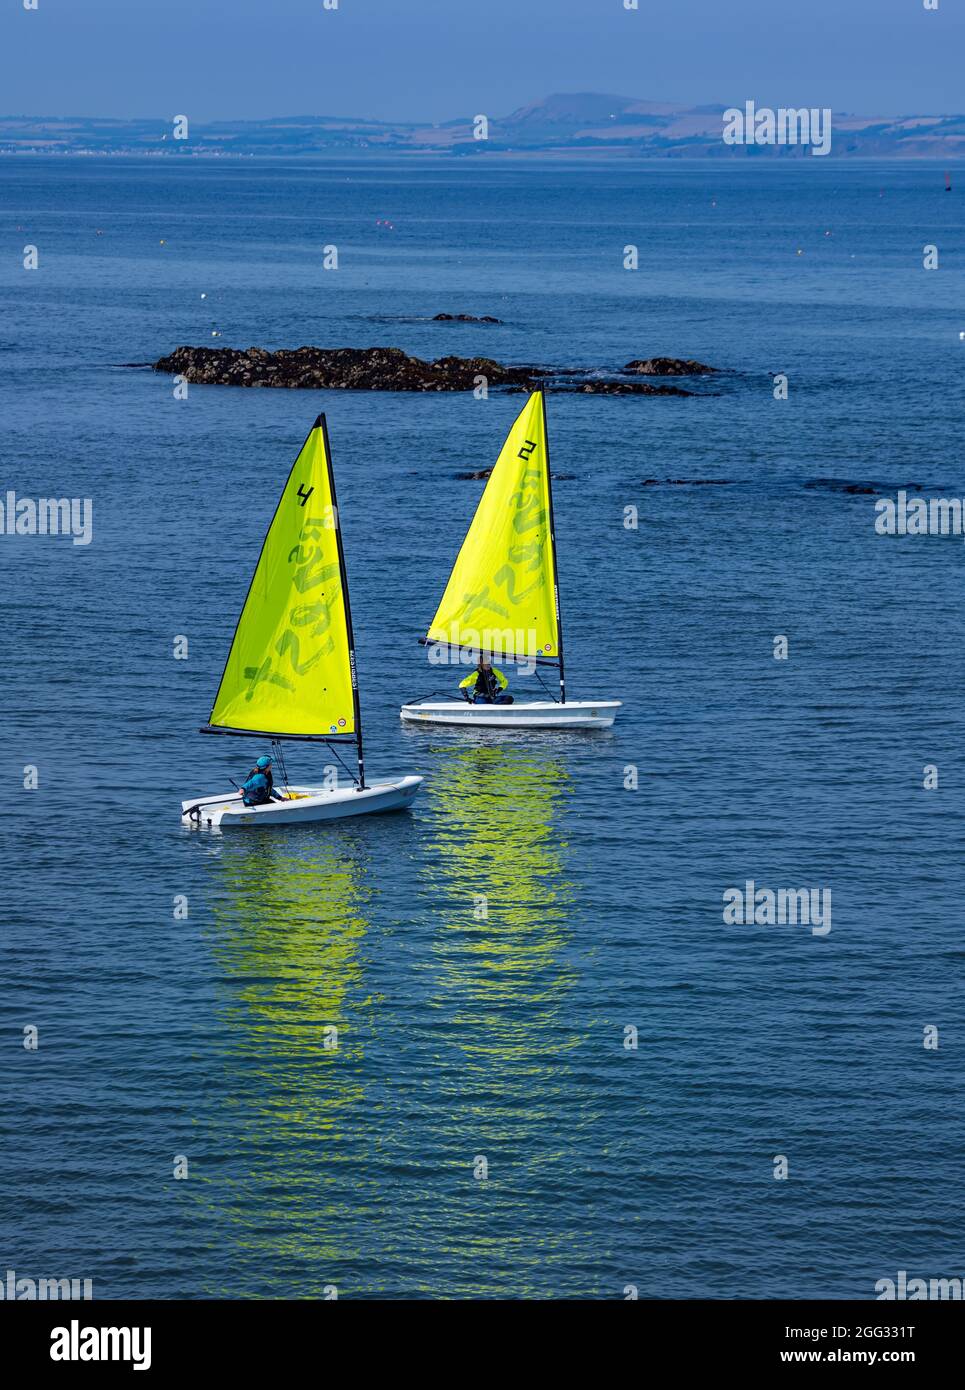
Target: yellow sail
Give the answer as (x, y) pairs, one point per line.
(291, 666)
(501, 596)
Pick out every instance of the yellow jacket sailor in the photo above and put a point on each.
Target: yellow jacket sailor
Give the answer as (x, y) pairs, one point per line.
(485, 686)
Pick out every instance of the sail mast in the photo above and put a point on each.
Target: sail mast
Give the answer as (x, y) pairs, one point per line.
(323, 425)
(552, 530)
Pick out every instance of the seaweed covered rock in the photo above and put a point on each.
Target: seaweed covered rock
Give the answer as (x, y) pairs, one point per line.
(345, 369)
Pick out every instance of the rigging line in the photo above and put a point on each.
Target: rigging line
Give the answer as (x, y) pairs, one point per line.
(546, 687)
(276, 745)
(419, 698)
(345, 765)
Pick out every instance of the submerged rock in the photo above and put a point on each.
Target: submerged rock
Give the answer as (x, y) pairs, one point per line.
(622, 388)
(464, 318)
(844, 485)
(481, 473)
(668, 366)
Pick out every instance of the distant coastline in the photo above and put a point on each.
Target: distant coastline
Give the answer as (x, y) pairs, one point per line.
(589, 156)
(584, 124)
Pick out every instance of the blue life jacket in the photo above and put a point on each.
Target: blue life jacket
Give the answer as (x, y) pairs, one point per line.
(257, 790)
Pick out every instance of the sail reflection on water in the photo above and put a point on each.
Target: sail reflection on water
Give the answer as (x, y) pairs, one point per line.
(496, 866)
(288, 920)
(496, 862)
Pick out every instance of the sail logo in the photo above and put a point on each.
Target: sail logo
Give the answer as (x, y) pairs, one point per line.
(26, 1290)
(918, 516)
(751, 906)
(762, 125)
(48, 516)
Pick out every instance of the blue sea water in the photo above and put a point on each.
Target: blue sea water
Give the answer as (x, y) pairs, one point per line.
(502, 1038)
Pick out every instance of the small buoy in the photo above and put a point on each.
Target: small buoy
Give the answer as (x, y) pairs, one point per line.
(204, 296)
(799, 251)
(162, 241)
(215, 333)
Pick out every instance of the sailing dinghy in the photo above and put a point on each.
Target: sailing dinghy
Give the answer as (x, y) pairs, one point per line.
(291, 673)
(502, 599)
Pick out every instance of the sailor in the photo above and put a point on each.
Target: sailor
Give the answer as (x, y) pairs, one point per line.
(258, 788)
(485, 686)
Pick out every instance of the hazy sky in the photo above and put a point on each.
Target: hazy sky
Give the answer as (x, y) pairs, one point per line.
(436, 59)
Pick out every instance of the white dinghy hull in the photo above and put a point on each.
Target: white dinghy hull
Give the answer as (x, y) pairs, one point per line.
(540, 714)
(304, 805)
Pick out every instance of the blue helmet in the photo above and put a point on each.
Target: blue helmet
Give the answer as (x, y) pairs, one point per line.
(262, 763)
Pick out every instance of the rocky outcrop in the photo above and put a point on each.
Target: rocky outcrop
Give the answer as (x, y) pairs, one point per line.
(344, 369)
(668, 366)
(385, 369)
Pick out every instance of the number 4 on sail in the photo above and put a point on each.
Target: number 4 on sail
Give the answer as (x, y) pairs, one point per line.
(290, 673)
(502, 599)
